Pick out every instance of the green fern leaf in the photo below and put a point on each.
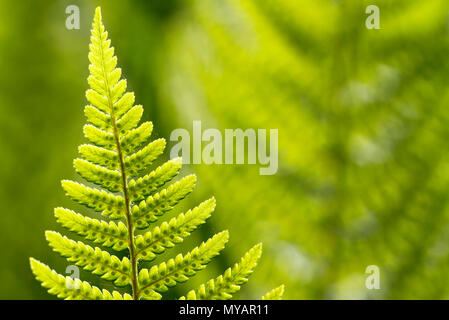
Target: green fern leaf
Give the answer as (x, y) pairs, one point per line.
(135, 138)
(108, 204)
(149, 210)
(147, 185)
(67, 288)
(168, 234)
(108, 234)
(225, 285)
(275, 294)
(124, 104)
(99, 137)
(129, 120)
(109, 179)
(181, 268)
(98, 119)
(100, 156)
(96, 260)
(118, 153)
(144, 158)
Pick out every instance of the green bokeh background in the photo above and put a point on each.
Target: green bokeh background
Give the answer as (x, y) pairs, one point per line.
(363, 120)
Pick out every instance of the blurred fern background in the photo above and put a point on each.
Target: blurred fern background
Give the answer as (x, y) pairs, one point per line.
(363, 119)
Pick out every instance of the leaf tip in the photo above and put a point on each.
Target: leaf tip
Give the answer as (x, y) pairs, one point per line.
(50, 235)
(224, 234)
(98, 12)
(258, 249)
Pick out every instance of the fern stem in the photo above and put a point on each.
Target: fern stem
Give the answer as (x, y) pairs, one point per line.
(132, 253)
(129, 222)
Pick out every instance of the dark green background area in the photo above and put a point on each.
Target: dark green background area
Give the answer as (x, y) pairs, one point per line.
(363, 120)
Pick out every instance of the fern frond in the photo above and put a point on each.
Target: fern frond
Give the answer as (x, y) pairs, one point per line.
(135, 138)
(149, 210)
(147, 185)
(115, 159)
(99, 137)
(124, 104)
(275, 294)
(97, 100)
(181, 268)
(100, 262)
(143, 158)
(108, 234)
(129, 120)
(175, 231)
(109, 179)
(67, 288)
(98, 119)
(102, 201)
(117, 92)
(225, 285)
(100, 156)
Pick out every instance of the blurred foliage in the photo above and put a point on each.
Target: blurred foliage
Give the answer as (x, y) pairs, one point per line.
(362, 116)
